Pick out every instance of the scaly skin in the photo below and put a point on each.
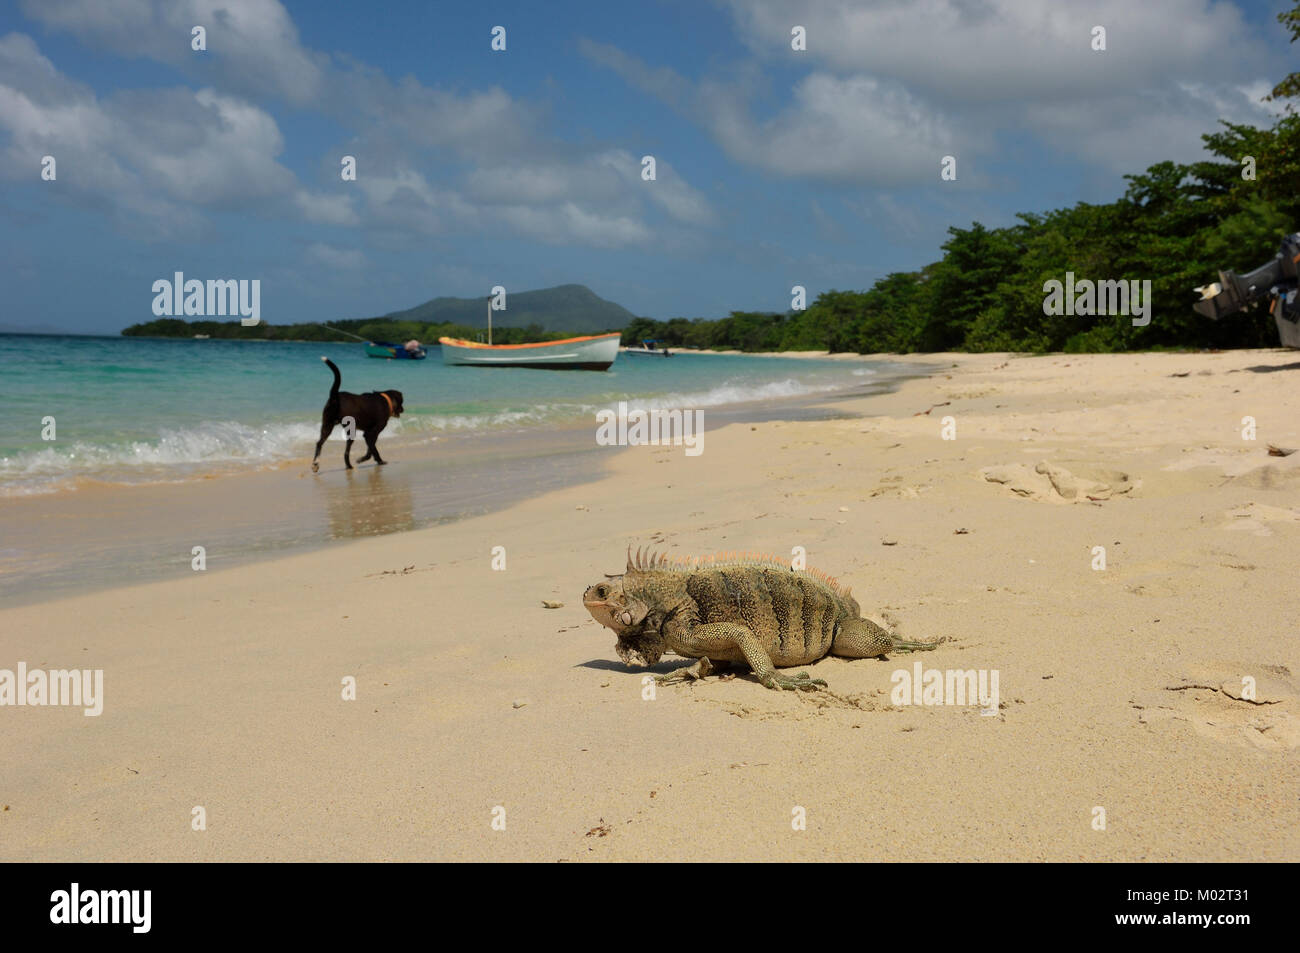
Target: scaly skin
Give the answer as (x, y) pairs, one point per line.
(734, 608)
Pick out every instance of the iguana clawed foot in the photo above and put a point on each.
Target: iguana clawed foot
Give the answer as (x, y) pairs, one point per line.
(801, 682)
(701, 669)
(704, 668)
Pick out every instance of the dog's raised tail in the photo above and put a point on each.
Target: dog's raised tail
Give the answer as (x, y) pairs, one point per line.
(338, 378)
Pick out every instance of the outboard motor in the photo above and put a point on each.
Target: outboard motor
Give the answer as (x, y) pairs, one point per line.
(1277, 279)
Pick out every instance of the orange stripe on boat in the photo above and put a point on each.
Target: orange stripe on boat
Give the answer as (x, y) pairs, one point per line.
(457, 342)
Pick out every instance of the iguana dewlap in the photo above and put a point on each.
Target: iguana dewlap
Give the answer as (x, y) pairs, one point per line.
(735, 607)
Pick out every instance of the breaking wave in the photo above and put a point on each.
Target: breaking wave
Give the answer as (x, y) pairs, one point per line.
(181, 453)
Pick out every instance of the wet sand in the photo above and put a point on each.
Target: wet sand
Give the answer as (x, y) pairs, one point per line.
(99, 535)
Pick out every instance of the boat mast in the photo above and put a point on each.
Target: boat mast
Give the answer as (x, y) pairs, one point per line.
(489, 320)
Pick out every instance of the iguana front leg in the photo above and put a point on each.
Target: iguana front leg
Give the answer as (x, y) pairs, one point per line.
(701, 669)
(722, 639)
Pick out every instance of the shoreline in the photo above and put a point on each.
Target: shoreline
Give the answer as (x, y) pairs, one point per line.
(282, 509)
(1119, 687)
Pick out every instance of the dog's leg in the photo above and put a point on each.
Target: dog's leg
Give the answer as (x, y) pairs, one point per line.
(372, 450)
(347, 449)
(325, 427)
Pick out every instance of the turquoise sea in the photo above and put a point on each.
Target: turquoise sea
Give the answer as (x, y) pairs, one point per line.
(164, 444)
(137, 410)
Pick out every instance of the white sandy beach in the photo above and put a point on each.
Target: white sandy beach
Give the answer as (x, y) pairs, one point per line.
(1121, 688)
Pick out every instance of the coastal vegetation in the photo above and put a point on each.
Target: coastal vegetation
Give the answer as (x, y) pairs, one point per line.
(1176, 226)
(372, 329)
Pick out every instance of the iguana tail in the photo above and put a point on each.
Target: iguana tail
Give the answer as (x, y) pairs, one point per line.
(863, 638)
(902, 645)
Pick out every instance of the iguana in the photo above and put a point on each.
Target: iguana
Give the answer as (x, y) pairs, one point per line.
(735, 607)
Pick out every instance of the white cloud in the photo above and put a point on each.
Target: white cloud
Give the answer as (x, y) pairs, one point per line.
(332, 257)
(204, 147)
(150, 156)
(321, 209)
(409, 115)
(412, 142)
(570, 224)
(1148, 127)
(535, 183)
(401, 198)
(252, 45)
(1009, 50)
(853, 128)
(892, 86)
(606, 184)
(668, 189)
(850, 129)
(157, 156)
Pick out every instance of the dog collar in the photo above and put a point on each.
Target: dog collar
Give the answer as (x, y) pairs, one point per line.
(389, 401)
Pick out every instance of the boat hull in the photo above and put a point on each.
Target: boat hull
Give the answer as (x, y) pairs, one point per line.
(594, 353)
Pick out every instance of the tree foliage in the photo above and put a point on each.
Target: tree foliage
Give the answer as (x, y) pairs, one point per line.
(372, 329)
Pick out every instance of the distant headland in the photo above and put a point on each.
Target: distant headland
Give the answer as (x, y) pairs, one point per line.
(539, 315)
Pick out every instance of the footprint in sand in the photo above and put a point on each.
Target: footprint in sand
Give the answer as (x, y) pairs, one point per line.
(1270, 477)
(1214, 702)
(1255, 518)
(1048, 483)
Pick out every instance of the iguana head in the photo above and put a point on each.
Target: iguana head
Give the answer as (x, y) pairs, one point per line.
(615, 606)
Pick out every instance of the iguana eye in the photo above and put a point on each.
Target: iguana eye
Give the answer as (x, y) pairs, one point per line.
(602, 591)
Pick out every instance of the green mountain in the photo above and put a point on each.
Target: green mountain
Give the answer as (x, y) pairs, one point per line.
(572, 308)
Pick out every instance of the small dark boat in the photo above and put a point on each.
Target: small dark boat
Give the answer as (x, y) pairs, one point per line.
(648, 347)
(410, 351)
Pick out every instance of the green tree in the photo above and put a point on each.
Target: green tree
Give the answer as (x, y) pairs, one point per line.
(1290, 86)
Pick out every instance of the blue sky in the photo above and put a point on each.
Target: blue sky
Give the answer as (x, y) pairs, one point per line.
(522, 168)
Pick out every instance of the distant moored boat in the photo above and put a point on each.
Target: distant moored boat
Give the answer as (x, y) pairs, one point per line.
(591, 353)
(410, 351)
(648, 347)
(595, 352)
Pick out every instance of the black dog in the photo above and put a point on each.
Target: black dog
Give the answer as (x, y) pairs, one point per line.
(369, 414)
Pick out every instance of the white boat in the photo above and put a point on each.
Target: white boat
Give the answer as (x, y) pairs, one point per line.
(595, 352)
